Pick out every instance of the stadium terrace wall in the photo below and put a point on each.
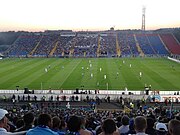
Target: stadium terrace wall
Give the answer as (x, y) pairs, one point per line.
(102, 94)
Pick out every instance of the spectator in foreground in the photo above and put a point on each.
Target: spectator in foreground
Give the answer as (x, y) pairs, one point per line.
(63, 126)
(125, 125)
(4, 127)
(140, 125)
(56, 125)
(161, 129)
(43, 127)
(174, 127)
(109, 128)
(131, 127)
(150, 126)
(28, 119)
(83, 130)
(74, 125)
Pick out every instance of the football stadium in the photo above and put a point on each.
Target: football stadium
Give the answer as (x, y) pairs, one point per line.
(110, 60)
(107, 81)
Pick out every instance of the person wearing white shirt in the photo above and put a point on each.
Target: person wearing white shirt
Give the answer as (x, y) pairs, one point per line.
(4, 127)
(104, 76)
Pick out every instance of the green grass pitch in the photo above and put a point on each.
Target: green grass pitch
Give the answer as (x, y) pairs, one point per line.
(67, 73)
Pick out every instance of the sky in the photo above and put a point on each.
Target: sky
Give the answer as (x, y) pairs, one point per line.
(92, 15)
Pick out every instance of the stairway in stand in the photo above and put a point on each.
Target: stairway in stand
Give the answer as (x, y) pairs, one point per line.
(54, 49)
(62, 53)
(71, 52)
(98, 49)
(32, 52)
(138, 46)
(175, 38)
(118, 50)
(84, 54)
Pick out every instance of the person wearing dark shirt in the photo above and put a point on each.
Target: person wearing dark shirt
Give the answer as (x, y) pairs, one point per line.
(174, 127)
(150, 126)
(28, 122)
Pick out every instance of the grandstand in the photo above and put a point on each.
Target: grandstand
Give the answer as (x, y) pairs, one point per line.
(87, 44)
(171, 42)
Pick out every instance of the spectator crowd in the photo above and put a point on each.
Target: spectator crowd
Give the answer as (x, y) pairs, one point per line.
(55, 121)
